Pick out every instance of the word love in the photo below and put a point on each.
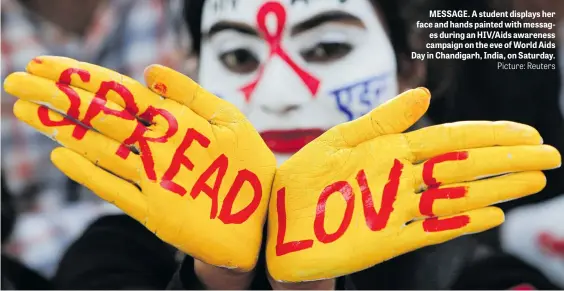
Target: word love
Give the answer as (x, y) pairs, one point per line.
(137, 137)
(375, 220)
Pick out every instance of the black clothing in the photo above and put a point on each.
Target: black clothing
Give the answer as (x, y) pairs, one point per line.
(8, 211)
(116, 252)
(501, 272)
(185, 278)
(16, 276)
(430, 268)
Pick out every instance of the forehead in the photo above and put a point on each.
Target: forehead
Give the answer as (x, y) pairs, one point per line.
(296, 10)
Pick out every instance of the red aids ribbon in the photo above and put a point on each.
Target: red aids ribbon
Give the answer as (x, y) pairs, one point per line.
(275, 43)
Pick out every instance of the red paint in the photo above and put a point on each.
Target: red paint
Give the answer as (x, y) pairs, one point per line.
(378, 220)
(160, 88)
(426, 208)
(551, 244)
(345, 189)
(237, 218)
(37, 61)
(289, 141)
(220, 166)
(73, 111)
(65, 77)
(43, 114)
(180, 158)
(74, 99)
(274, 41)
(433, 193)
(428, 198)
(433, 224)
(523, 287)
(98, 105)
(282, 247)
(430, 165)
(138, 137)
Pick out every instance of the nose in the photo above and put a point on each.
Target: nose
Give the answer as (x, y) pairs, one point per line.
(280, 91)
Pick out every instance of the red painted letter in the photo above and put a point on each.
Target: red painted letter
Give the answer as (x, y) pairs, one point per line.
(99, 105)
(179, 158)
(428, 197)
(220, 166)
(319, 224)
(282, 247)
(378, 220)
(74, 99)
(429, 165)
(243, 176)
(138, 137)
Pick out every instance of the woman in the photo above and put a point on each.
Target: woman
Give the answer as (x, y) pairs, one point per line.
(324, 63)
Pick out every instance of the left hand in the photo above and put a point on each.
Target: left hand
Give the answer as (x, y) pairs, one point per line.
(352, 198)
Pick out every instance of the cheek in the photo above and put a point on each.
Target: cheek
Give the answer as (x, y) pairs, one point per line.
(368, 81)
(354, 99)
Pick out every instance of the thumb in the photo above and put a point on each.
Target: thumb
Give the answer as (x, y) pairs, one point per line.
(394, 116)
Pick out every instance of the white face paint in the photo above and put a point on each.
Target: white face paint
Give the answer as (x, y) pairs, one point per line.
(313, 65)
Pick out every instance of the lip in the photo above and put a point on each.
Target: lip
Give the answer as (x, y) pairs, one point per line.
(289, 141)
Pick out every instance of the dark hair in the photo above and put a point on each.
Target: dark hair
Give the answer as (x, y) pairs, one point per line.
(392, 11)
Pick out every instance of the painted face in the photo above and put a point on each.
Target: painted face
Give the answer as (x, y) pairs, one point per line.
(296, 67)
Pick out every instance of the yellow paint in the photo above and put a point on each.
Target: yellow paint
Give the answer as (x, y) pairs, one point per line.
(371, 143)
(182, 221)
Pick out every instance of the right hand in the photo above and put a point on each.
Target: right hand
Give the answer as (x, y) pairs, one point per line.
(202, 177)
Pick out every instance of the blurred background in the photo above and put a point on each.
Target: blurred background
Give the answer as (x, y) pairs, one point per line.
(45, 215)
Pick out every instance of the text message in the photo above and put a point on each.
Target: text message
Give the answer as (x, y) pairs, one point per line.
(515, 40)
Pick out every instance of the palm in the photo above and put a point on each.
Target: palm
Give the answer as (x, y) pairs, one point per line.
(189, 166)
(352, 198)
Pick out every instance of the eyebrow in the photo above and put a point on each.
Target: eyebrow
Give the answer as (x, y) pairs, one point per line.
(326, 17)
(229, 25)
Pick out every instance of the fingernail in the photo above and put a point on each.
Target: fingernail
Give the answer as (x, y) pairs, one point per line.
(425, 89)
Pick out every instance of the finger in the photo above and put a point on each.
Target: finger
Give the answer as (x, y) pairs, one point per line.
(124, 195)
(176, 86)
(120, 89)
(457, 198)
(105, 116)
(434, 231)
(475, 164)
(394, 116)
(434, 140)
(95, 147)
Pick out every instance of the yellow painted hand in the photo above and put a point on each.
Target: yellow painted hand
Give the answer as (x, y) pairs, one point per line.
(183, 162)
(363, 192)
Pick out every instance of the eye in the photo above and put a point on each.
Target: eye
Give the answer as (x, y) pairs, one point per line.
(325, 52)
(241, 61)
